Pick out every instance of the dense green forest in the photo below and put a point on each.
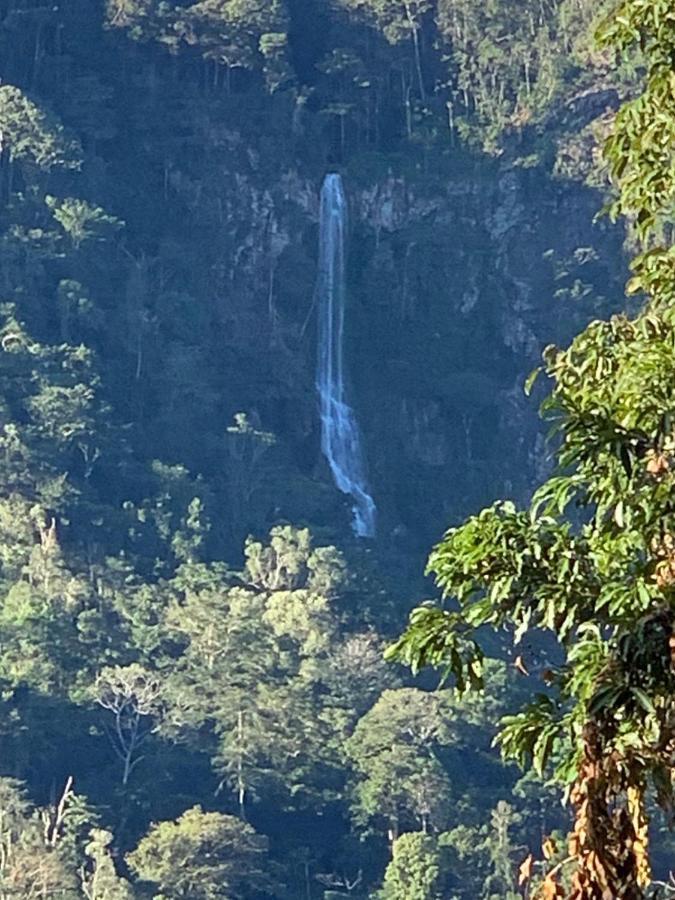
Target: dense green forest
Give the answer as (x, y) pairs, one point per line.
(194, 699)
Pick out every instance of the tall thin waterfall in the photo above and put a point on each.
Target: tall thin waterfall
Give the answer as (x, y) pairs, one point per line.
(340, 435)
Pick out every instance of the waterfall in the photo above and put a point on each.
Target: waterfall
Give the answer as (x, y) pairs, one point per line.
(340, 436)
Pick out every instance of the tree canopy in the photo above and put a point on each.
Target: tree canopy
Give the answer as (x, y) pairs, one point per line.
(590, 560)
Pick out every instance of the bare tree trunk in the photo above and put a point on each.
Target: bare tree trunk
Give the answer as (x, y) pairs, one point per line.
(408, 112)
(271, 308)
(37, 55)
(55, 820)
(415, 31)
(308, 887)
(241, 783)
(139, 353)
(451, 121)
(392, 833)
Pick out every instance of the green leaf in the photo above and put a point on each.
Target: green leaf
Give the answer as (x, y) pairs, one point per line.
(643, 700)
(531, 379)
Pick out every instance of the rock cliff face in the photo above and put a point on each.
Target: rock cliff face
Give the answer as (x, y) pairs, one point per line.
(457, 282)
(461, 270)
(456, 300)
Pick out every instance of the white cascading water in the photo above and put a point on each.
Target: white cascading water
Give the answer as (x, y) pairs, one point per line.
(340, 435)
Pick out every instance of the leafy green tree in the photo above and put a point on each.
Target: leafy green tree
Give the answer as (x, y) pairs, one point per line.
(409, 755)
(203, 856)
(274, 722)
(511, 61)
(248, 34)
(276, 66)
(145, 19)
(599, 579)
(172, 520)
(417, 871)
(100, 881)
(55, 412)
(32, 136)
(355, 675)
(483, 859)
(81, 221)
(400, 783)
(231, 30)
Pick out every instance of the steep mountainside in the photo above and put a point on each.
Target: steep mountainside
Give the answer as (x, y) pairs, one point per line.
(189, 263)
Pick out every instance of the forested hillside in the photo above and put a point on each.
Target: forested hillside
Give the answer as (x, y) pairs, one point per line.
(194, 700)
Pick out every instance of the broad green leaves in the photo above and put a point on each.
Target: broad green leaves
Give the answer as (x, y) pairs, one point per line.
(592, 561)
(435, 638)
(642, 146)
(531, 735)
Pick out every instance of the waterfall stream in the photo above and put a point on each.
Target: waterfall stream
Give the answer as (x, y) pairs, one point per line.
(340, 436)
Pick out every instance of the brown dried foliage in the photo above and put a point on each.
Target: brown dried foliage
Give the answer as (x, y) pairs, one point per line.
(609, 843)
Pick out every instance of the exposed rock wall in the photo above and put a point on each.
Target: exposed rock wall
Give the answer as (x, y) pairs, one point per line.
(459, 274)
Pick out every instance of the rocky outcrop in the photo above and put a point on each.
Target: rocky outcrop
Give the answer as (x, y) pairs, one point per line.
(456, 283)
